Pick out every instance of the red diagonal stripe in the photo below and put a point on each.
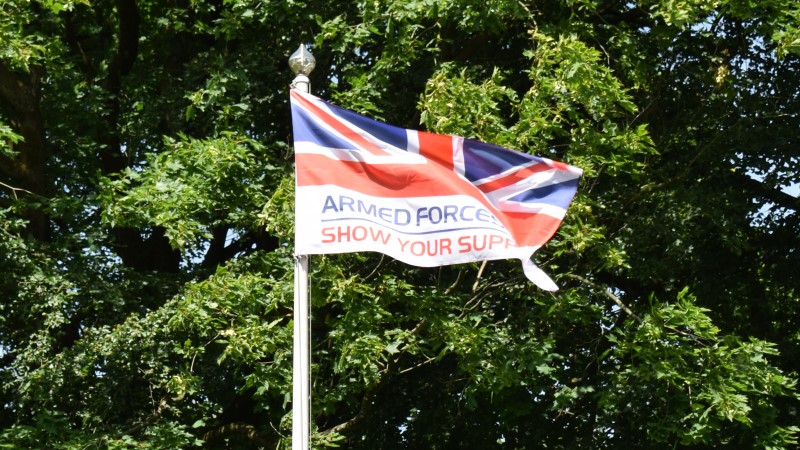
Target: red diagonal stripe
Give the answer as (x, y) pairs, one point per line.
(513, 177)
(337, 125)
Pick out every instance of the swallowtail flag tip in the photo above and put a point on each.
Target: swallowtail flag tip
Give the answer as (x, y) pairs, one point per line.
(422, 198)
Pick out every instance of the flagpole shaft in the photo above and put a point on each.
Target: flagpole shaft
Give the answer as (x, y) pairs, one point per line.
(301, 63)
(301, 375)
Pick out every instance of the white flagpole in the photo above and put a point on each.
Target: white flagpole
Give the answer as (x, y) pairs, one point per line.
(301, 375)
(302, 63)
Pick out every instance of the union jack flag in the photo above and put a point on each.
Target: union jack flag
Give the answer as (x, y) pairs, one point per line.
(422, 198)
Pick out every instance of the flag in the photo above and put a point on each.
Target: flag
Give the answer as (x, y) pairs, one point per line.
(422, 198)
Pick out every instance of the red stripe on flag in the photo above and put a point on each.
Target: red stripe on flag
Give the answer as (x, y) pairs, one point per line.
(513, 177)
(337, 125)
(437, 147)
(382, 180)
(560, 165)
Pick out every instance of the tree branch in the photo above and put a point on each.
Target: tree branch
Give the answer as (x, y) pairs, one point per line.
(607, 294)
(697, 339)
(14, 190)
(763, 190)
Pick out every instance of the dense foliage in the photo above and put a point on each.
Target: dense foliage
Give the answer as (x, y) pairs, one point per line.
(146, 219)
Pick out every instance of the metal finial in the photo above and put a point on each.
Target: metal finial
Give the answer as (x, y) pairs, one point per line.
(302, 61)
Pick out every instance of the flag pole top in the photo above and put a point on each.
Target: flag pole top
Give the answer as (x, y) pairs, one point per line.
(302, 62)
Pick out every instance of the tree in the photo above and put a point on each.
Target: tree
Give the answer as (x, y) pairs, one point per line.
(146, 206)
